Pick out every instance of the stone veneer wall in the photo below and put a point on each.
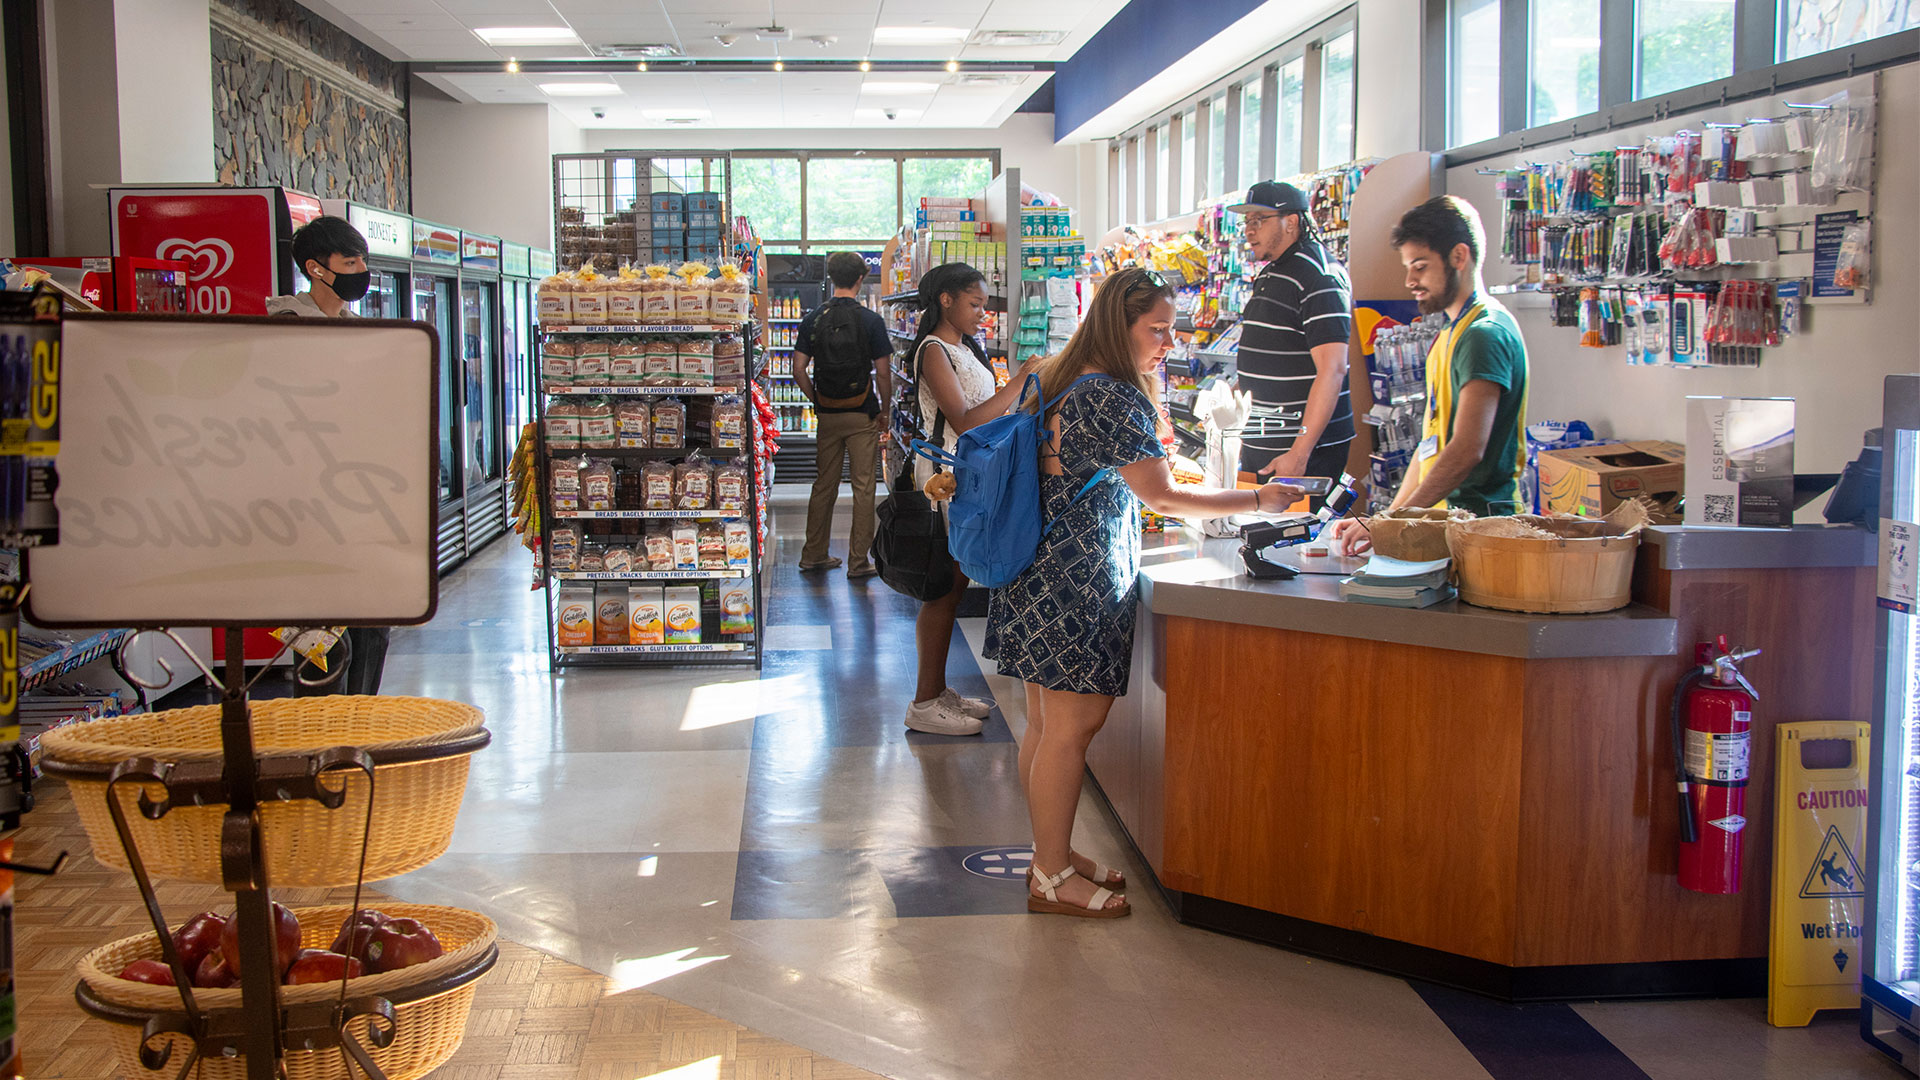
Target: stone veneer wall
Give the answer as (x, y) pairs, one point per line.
(301, 103)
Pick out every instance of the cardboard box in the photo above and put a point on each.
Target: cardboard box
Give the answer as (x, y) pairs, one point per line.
(1589, 481)
(1740, 461)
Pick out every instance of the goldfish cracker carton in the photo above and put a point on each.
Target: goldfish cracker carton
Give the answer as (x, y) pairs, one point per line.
(736, 607)
(573, 619)
(646, 618)
(681, 615)
(610, 615)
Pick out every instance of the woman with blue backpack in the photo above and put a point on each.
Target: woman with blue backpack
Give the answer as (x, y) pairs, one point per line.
(956, 394)
(1064, 625)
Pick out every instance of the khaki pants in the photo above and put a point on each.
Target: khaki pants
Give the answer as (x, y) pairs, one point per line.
(841, 434)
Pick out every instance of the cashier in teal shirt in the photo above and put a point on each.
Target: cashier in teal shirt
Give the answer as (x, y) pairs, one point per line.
(1471, 452)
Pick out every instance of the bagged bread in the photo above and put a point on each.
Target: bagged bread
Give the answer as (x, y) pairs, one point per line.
(590, 363)
(626, 363)
(632, 420)
(730, 486)
(660, 362)
(713, 546)
(563, 426)
(693, 484)
(729, 423)
(597, 425)
(696, 362)
(566, 485)
(658, 546)
(554, 300)
(670, 424)
(596, 487)
(624, 297)
(557, 364)
(589, 297)
(730, 304)
(693, 295)
(657, 296)
(657, 484)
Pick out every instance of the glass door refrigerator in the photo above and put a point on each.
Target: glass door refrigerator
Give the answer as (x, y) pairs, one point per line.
(436, 301)
(483, 425)
(516, 339)
(389, 258)
(1890, 985)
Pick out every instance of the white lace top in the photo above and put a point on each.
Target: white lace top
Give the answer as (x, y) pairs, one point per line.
(976, 386)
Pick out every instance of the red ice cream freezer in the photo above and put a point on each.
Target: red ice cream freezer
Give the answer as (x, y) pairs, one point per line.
(237, 242)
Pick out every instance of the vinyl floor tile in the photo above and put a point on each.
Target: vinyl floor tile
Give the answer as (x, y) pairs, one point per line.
(633, 802)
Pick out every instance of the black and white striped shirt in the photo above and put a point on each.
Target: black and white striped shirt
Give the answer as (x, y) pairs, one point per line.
(1301, 300)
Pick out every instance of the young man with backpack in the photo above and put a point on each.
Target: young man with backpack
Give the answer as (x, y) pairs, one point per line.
(842, 362)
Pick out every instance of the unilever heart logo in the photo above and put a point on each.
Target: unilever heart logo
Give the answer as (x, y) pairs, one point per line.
(205, 259)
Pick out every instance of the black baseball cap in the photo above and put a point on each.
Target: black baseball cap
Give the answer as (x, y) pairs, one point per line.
(1272, 195)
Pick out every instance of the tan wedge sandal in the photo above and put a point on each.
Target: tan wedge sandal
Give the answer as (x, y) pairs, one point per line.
(1095, 908)
(1103, 876)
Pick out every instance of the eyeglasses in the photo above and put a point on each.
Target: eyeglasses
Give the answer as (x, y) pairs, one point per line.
(1150, 278)
(1260, 219)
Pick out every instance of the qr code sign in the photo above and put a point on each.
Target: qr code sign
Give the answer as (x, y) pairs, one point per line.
(1719, 510)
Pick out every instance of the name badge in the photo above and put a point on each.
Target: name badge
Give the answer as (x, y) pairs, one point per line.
(1428, 447)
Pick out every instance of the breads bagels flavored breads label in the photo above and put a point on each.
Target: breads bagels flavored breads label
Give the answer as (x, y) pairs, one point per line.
(646, 624)
(682, 615)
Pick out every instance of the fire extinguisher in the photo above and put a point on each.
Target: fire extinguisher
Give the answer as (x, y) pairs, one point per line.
(1712, 733)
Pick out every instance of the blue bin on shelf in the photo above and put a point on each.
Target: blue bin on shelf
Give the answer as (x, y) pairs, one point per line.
(703, 202)
(671, 254)
(667, 202)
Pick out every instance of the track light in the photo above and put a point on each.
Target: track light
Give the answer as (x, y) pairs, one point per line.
(513, 66)
(642, 65)
(779, 65)
(864, 66)
(953, 65)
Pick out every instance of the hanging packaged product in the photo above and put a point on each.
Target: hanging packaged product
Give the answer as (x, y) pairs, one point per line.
(670, 424)
(573, 617)
(626, 363)
(736, 607)
(686, 545)
(660, 362)
(557, 362)
(657, 296)
(693, 295)
(631, 420)
(657, 485)
(591, 363)
(589, 297)
(554, 300)
(731, 482)
(563, 426)
(713, 546)
(696, 362)
(597, 430)
(1851, 269)
(624, 297)
(596, 487)
(693, 484)
(1843, 148)
(566, 484)
(658, 546)
(731, 303)
(646, 623)
(682, 615)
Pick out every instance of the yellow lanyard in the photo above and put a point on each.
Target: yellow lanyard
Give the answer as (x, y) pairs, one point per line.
(1439, 423)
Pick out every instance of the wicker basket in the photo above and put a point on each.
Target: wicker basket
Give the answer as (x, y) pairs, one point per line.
(1550, 565)
(420, 748)
(431, 1000)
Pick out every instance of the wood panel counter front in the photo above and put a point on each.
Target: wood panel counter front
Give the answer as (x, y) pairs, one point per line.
(1463, 795)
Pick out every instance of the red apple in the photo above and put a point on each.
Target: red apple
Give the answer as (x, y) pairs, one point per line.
(356, 933)
(286, 932)
(401, 943)
(214, 974)
(319, 965)
(153, 972)
(200, 936)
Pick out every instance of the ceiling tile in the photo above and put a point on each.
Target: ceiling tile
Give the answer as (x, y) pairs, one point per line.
(410, 21)
(518, 9)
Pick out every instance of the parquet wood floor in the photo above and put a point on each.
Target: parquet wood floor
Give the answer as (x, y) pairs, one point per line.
(534, 1017)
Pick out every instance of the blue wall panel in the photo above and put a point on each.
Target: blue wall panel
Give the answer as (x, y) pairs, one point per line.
(1144, 39)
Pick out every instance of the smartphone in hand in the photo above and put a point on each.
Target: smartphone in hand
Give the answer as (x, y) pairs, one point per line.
(1312, 485)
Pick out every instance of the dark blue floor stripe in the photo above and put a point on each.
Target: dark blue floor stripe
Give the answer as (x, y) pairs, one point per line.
(1528, 1042)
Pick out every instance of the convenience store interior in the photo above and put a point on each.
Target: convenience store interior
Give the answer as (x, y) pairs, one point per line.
(756, 839)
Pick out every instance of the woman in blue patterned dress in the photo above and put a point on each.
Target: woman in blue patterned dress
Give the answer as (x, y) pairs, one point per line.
(1065, 625)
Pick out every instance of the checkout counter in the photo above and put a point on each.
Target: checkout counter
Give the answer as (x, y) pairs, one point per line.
(1472, 797)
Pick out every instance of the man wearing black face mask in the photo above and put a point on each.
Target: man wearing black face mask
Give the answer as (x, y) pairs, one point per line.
(333, 256)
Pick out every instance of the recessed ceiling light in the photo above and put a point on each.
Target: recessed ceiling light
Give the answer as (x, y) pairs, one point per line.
(513, 66)
(864, 66)
(677, 116)
(779, 65)
(579, 89)
(527, 35)
(917, 35)
(881, 87)
(1005, 39)
(953, 65)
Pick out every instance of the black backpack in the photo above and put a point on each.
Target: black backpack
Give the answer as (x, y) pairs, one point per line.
(842, 370)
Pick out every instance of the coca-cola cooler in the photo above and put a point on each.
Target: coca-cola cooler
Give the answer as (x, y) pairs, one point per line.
(119, 283)
(237, 242)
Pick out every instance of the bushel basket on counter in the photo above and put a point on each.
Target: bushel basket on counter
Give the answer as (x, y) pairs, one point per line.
(420, 749)
(431, 1000)
(1554, 565)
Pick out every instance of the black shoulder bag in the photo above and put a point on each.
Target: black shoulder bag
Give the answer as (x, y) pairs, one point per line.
(909, 539)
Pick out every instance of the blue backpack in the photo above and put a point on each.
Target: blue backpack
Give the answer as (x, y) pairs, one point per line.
(993, 521)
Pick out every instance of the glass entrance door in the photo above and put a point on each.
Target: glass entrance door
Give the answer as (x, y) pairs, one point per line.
(481, 371)
(433, 304)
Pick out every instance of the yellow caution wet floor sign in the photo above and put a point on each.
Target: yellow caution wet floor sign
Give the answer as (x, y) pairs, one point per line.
(1819, 896)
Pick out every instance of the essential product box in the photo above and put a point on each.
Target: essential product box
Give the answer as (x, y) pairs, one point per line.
(646, 618)
(1739, 461)
(610, 615)
(1589, 481)
(681, 615)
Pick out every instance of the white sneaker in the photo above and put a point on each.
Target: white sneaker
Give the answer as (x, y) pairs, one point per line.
(972, 706)
(936, 717)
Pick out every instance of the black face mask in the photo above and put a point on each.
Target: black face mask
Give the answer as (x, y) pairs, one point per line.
(351, 287)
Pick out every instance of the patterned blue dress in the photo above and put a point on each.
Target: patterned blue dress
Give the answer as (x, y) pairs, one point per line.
(1066, 623)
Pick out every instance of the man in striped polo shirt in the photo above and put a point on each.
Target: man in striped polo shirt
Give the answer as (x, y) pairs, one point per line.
(1293, 342)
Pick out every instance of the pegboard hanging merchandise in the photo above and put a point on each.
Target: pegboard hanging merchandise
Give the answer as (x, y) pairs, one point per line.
(260, 472)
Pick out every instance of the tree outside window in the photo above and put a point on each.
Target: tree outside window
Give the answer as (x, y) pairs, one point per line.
(1683, 43)
(1566, 60)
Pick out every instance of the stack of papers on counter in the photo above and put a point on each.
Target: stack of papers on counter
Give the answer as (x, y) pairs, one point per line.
(1398, 583)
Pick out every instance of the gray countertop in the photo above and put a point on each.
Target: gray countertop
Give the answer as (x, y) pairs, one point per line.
(1699, 547)
(1185, 574)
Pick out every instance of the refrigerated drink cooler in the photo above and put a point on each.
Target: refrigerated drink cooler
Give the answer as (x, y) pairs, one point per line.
(1890, 987)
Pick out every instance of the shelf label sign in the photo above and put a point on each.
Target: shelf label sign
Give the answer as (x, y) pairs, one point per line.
(1819, 889)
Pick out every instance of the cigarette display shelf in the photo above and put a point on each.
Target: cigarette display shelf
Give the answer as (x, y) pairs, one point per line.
(69, 659)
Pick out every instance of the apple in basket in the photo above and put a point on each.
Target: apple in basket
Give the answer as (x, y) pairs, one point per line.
(356, 934)
(319, 965)
(401, 943)
(286, 932)
(200, 936)
(214, 974)
(153, 972)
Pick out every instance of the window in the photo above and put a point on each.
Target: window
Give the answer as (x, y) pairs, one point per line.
(767, 191)
(1162, 192)
(1250, 119)
(1336, 101)
(1566, 60)
(1189, 145)
(852, 199)
(1293, 101)
(1812, 26)
(1474, 42)
(1217, 146)
(1683, 43)
(944, 178)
